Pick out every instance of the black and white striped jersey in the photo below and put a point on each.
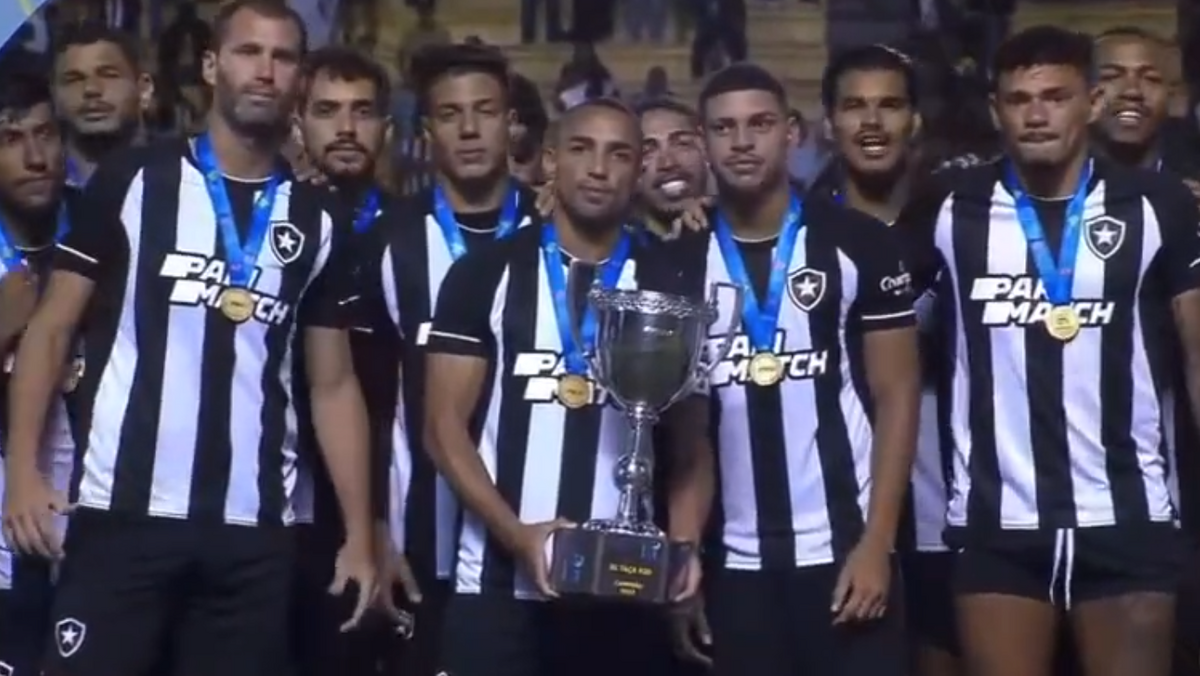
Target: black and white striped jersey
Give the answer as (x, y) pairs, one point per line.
(58, 447)
(1049, 433)
(406, 257)
(315, 499)
(794, 457)
(184, 413)
(547, 460)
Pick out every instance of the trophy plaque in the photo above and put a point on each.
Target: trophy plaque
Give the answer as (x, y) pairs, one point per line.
(651, 350)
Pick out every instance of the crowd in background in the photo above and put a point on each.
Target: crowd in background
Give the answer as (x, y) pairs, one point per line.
(947, 40)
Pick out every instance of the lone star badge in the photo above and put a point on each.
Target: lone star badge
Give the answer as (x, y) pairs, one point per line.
(806, 288)
(1104, 236)
(286, 241)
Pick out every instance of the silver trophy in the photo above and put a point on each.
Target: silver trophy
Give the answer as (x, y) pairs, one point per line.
(651, 350)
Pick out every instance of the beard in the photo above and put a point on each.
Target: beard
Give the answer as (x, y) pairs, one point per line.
(254, 121)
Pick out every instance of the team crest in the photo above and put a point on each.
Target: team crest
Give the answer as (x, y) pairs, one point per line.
(286, 241)
(806, 288)
(1104, 236)
(69, 635)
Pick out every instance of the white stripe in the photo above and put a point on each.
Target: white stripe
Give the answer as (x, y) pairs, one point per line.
(77, 253)
(455, 336)
(112, 400)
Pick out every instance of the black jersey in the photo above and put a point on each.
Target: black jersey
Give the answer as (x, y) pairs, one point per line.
(406, 257)
(183, 412)
(794, 455)
(548, 459)
(1049, 432)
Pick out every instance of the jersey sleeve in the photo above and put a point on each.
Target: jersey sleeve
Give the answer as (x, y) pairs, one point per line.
(462, 319)
(96, 241)
(884, 298)
(332, 300)
(1179, 222)
(915, 231)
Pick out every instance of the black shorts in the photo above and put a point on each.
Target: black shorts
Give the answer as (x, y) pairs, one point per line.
(493, 634)
(24, 616)
(319, 647)
(929, 598)
(213, 598)
(1187, 621)
(779, 622)
(1098, 562)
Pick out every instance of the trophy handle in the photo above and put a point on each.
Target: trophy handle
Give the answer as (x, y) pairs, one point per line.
(574, 272)
(718, 354)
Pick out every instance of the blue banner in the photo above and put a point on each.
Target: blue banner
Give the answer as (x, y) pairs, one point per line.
(13, 13)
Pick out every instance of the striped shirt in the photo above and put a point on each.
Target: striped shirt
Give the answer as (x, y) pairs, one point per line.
(58, 448)
(1050, 434)
(547, 460)
(185, 413)
(405, 260)
(794, 457)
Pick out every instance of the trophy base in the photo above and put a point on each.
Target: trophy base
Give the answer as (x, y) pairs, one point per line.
(608, 560)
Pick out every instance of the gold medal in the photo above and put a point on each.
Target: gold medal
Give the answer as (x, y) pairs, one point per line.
(574, 391)
(1062, 323)
(766, 369)
(237, 305)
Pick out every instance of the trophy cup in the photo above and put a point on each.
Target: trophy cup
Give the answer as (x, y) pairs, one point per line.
(650, 352)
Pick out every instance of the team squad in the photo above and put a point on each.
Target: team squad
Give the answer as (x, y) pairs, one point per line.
(263, 417)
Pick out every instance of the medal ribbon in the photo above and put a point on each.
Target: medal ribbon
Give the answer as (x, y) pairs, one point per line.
(1057, 272)
(242, 257)
(758, 320)
(366, 212)
(444, 215)
(12, 257)
(607, 275)
(74, 177)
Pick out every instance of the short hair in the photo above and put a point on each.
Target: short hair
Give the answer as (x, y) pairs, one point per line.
(24, 88)
(742, 77)
(1045, 46)
(270, 9)
(433, 62)
(867, 58)
(666, 104)
(349, 65)
(601, 103)
(93, 32)
(526, 102)
(1130, 33)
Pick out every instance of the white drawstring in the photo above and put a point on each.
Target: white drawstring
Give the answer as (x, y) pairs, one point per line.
(1064, 553)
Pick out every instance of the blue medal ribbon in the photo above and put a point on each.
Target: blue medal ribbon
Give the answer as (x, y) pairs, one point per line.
(1057, 272)
(12, 257)
(608, 274)
(241, 256)
(366, 211)
(760, 321)
(74, 176)
(444, 215)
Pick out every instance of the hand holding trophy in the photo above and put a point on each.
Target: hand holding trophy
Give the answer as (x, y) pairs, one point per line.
(649, 352)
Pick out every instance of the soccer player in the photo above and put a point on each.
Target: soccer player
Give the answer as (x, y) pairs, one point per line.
(1133, 130)
(34, 210)
(466, 110)
(525, 437)
(811, 497)
(674, 168)
(1062, 274)
(100, 92)
(343, 125)
(198, 261)
(870, 101)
